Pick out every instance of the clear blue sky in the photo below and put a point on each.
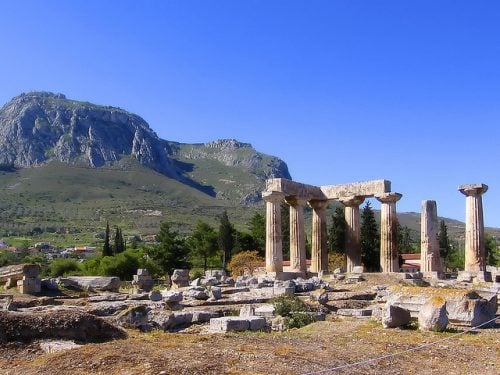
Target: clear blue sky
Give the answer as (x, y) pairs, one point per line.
(341, 90)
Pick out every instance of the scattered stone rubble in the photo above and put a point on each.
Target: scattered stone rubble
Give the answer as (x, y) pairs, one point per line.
(214, 298)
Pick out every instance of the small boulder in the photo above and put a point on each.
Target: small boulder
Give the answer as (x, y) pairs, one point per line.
(155, 296)
(433, 315)
(215, 293)
(171, 296)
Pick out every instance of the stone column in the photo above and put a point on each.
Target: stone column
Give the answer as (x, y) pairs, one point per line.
(319, 254)
(430, 260)
(274, 250)
(353, 231)
(475, 257)
(388, 232)
(297, 235)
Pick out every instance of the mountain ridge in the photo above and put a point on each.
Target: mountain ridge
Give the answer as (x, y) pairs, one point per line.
(39, 127)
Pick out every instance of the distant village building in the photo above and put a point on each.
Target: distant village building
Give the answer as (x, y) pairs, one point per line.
(411, 263)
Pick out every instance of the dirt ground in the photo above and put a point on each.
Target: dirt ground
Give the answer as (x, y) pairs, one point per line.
(310, 350)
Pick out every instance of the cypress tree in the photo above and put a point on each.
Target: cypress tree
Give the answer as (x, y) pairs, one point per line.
(336, 235)
(226, 238)
(444, 241)
(106, 249)
(370, 239)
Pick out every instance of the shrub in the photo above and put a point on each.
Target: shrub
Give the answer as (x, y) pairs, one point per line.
(294, 310)
(64, 267)
(245, 262)
(286, 304)
(336, 260)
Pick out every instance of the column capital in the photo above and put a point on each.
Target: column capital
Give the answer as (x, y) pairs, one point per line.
(352, 201)
(473, 189)
(273, 196)
(295, 201)
(317, 204)
(389, 197)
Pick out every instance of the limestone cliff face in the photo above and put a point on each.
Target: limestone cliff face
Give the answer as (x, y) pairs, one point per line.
(38, 127)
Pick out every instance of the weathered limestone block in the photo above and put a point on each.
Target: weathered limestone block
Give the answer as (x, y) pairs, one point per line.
(133, 317)
(29, 285)
(17, 271)
(247, 310)
(229, 324)
(155, 296)
(355, 312)
(265, 311)
(433, 315)
(218, 274)
(180, 279)
(204, 316)
(92, 283)
(142, 281)
(394, 316)
(215, 292)
(256, 323)
(199, 294)
(471, 310)
(172, 296)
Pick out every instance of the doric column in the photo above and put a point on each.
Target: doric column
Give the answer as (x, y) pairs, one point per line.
(388, 232)
(353, 231)
(297, 235)
(274, 250)
(430, 260)
(319, 254)
(475, 257)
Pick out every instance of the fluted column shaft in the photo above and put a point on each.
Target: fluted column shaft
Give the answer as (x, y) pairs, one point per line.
(388, 232)
(297, 235)
(475, 255)
(319, 255)
(430, 260)
(353, 231)
(274, 249)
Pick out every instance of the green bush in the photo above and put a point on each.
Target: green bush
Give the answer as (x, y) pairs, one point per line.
(64, 267)
(294, 310)
(123, 265)
(286, 304)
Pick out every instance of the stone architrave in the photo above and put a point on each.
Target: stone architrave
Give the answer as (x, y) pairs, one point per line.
(297, 236)
(353, 232)
(475, 257)
(388, 232)
(274, 249)
(430, 260)
(319, 255)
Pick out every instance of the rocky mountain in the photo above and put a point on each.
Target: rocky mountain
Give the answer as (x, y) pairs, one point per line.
(39, 127)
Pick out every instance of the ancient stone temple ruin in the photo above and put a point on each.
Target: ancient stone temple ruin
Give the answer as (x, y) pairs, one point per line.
(297, 195)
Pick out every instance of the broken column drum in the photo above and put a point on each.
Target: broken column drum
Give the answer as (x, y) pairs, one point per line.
(475, 256)
(430, 260)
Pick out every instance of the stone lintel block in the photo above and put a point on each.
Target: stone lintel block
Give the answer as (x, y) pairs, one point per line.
(433, 275)
(361, 189)
(292, 188)
(473, 189)
(358, 269)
